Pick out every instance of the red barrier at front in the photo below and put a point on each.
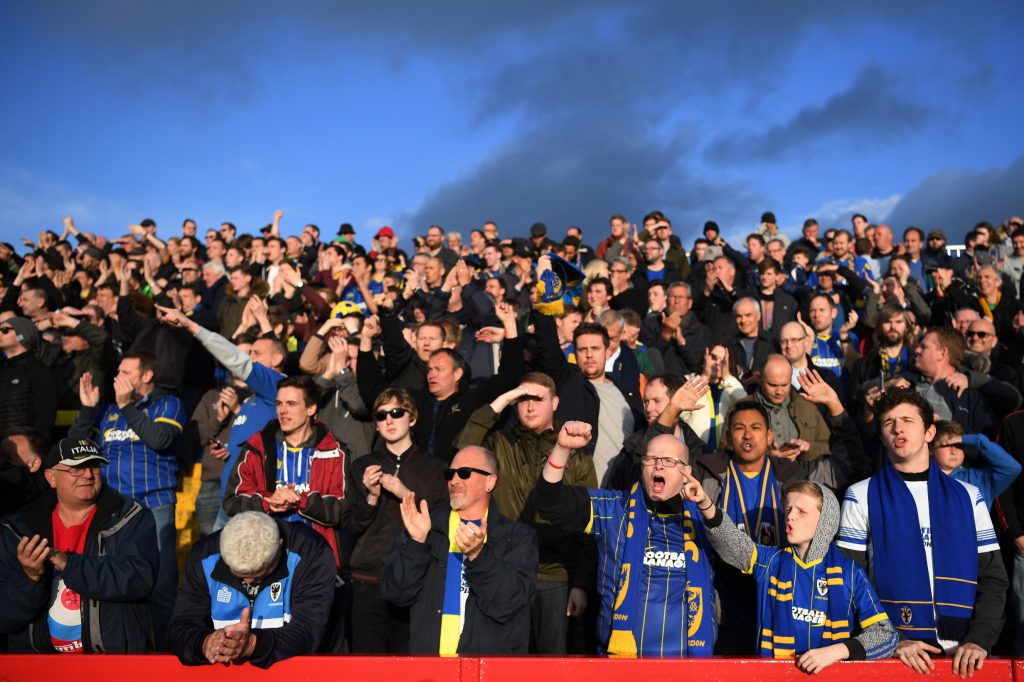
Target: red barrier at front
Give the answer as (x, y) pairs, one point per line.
(159, 668)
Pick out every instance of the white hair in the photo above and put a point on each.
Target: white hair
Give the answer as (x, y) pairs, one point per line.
(216, 266)
(249, 543)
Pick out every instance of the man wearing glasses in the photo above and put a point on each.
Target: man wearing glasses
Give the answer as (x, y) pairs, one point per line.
(78, 565)
(466, 572)
(657, 598)
(378, 482)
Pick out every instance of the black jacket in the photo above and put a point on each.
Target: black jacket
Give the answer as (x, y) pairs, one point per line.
(29, 394)
(311, 597)
(577, 397)
(501, 582)
(114, 577)
(376, 527)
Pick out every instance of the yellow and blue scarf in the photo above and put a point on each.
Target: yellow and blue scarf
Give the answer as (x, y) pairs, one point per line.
(753, 513)
(451, 616)
(900, 565)
(701, 625)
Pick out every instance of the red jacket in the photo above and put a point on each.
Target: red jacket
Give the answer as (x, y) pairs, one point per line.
(321, 504)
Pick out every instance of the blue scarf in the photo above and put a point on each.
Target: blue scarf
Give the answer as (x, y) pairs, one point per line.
(900, 566)
(777, 635)
(752, 513)
(701, 625)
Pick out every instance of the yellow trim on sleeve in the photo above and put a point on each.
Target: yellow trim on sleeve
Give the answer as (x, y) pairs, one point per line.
(753, 560)
(590, 522)
(877, 618)
(165, 420)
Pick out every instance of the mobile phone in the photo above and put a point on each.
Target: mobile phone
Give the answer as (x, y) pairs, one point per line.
(214, 441)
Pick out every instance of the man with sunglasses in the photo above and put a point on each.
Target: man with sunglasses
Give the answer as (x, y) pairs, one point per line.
(29, 398)
(376, 485)
(565, 575)
(77, 565)
(466, 571)
(982, 339)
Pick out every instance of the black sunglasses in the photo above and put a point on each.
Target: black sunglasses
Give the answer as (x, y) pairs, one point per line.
(4, 330)
(464, 473)
(980, 335)
(394, 413)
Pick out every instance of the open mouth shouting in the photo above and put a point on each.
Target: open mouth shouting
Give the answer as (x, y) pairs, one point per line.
(657, 484)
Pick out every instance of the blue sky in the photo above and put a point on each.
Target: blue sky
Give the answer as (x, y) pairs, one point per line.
(409, 113)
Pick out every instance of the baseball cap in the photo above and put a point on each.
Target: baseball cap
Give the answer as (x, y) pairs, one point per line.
(74, 452)
(522, 249)
(937, 233)
(768, 217)
(538, 230)
(385, 232)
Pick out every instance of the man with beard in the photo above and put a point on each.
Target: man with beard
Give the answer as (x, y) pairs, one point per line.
(892, 354)
(466, 571)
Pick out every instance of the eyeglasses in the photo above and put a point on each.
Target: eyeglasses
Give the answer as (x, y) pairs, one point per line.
(464, 473)
(619, 271)
(77, 472)
(666, 462)
(394, 413)
(978, 335)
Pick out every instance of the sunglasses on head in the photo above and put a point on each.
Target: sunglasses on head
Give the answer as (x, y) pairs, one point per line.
(464, 473)
(394, 413)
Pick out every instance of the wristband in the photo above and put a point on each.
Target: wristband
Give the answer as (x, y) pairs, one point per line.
(707, 507)
(553, 465)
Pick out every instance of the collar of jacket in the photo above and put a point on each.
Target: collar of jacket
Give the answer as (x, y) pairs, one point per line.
(37, 516)
(717, 463)
(439, 518)
(323, 437)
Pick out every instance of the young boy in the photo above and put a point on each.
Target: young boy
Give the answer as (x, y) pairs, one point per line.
(810, 596)
(992, 475)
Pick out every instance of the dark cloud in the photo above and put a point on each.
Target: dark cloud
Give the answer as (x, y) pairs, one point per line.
(876, 106)
(573, 173)
(956, 199)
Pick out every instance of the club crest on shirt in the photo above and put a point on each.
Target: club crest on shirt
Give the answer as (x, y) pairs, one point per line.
(694, 609)
(224, 595)
(822, 586)
(275, 592)
(906, 615)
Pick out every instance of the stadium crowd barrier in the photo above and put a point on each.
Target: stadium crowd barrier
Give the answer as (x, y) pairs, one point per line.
(163, 668)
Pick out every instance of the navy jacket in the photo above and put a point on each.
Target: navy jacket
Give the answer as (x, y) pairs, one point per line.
(114, 577)
(501, 581)
(311, 595)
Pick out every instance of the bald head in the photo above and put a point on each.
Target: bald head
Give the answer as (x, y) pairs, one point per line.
(668, 445)
(666, 461)
(775, 379)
